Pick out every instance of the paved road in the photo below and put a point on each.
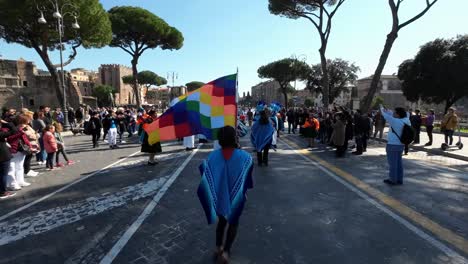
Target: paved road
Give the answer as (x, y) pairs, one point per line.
(307, 207)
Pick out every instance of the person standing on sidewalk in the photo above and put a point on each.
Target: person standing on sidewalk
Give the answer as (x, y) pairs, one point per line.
(429, 123)
(291, 115)
(33, 140)
(448, 125)
(397, 120)
(416, 122)
(6, 130)
(338, 135)
(379, 124)
(50, 145)
(19, 145)
(361, 132)
(226, 177)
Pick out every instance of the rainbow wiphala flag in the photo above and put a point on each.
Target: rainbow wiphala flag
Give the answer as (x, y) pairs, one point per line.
(202, 111)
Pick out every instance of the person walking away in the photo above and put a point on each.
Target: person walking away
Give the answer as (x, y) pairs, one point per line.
(152, 150)
(379, 125)
(106, 122)
(79, 115)
(95, 128)
(291, 116)
(19, 148)
(60, 146)
(339, 135)
(429, 123)
(7, 129)
(50, 145)
(226, 177)
(71, 117)
(397, 120)
(112, 130)
(448, 125)
(32, 136)
(261, 137)
(416, 122)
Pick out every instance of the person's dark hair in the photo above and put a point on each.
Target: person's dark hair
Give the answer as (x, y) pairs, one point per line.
(227, 137)
(401, 112)
(49, 127)
(263, 118)
(36, 115)
(151, 112)
(432, 111)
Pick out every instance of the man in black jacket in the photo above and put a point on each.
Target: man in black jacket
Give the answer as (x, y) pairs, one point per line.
(361, 132)
(6, 130)
(291, 120)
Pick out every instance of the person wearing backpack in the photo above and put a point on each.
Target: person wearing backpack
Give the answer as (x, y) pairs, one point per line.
(400, 134)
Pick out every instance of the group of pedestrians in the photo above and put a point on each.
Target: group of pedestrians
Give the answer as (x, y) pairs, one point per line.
(25, 135)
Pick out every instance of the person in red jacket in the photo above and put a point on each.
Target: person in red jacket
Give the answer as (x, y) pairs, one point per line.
(50, 145)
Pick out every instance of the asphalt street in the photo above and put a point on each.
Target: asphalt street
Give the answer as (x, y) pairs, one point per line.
(306, 207)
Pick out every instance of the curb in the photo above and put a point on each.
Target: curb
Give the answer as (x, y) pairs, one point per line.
(432, 151)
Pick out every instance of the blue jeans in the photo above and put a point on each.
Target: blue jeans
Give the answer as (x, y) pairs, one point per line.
(395, 162)
(41, 155)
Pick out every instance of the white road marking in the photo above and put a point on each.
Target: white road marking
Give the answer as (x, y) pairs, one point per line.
(40, 222)
(24, 207)
(433, 241)
(115, 250)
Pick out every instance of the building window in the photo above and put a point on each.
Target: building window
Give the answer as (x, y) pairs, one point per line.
(25, 83)
(31, 102)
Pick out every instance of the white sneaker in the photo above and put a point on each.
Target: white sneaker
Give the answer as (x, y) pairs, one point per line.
(32, 173)
(25, 184)
(14, 188)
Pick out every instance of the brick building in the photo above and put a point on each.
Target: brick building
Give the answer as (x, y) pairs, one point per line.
(85, 80)
(23, 85)
(267, 91)
(112, 74)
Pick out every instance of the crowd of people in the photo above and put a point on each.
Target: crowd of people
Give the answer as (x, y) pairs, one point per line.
(25, 135)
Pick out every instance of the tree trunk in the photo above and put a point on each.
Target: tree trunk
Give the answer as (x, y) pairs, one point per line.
(136, 91)
(366, 103)
(325, 79)
(285, 97)
(53, 73)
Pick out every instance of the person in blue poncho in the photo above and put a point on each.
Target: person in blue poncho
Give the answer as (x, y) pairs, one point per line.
(226, 177)
(261, 137)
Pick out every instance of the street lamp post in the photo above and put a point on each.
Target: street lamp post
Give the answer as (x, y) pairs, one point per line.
(59, 15)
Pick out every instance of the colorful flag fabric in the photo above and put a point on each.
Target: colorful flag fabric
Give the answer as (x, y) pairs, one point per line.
(202, 111)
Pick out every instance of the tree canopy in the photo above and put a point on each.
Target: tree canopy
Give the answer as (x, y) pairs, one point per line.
(146, 78)
(437, 74)
(285, 71)
(320, 13)
(103, 94)
(191, 86)
(135, 30)
(340, 74)
(19, 24)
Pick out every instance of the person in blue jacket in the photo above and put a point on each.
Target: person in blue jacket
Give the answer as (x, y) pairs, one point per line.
(397, 120)
(226, 177)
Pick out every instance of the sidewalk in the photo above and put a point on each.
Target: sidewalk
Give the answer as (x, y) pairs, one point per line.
(435, 149)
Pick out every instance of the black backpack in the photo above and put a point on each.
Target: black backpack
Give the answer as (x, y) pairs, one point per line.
(407, 136)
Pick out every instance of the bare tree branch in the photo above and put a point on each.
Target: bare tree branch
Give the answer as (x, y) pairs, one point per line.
(126, 50)
(422, 13)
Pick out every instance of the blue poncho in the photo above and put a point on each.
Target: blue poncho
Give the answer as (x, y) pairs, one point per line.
(224, 184)
(261, 135)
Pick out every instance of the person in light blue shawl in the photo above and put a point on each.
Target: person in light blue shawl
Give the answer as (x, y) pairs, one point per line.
(226, 177)
(261, 137)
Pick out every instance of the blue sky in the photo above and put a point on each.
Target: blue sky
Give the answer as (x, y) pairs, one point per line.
(221, 35)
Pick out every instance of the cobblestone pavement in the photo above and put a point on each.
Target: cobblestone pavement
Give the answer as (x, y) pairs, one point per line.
(300, 210)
